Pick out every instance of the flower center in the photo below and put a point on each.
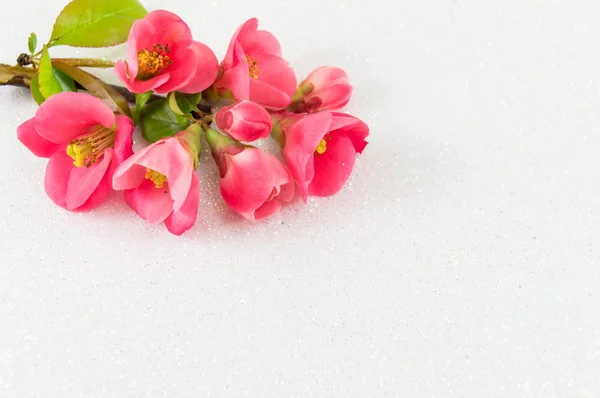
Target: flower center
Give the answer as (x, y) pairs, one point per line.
(253, 67)
(87, 150)
(321, 148)
(152, 61)
(157, 178)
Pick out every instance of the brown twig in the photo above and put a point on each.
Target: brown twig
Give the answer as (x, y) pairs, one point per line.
(18, 76)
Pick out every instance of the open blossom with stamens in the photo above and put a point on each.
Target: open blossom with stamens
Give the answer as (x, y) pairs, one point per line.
(253, 69)
(162, 56)
(84, 141)
(320, 149)
(160, 183)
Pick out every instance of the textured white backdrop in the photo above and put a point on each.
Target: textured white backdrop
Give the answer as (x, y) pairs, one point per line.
(462, 259)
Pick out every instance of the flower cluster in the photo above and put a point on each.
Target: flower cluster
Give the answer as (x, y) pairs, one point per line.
(251, 94)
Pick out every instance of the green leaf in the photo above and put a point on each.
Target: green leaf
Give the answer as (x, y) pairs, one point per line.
(32, 42)
(183, 104)
(159, 121)
(66, 83)
(35, 90)
(95, 23)
(48, 82)
(96, 87)
(140, 101)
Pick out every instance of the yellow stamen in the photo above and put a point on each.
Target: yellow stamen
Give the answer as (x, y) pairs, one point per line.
(321, 148)
(152, 61)
(157, 178)
(253, 67)
(86, 150)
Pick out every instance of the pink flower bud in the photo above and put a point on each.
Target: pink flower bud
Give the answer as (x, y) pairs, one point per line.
(326, 88)
(244, 121)
(253, 183)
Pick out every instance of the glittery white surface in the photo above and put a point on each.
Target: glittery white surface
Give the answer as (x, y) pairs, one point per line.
(462, 259)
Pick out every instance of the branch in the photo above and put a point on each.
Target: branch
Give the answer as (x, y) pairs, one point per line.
(18, 76)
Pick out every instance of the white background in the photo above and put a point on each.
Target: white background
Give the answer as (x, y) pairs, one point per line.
(460, 261)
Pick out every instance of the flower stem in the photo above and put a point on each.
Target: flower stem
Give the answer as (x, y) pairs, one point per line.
(19, 76)
(87, 62)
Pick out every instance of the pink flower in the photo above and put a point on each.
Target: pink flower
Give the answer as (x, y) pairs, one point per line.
(244, 121)
(84, 141)
(320, 150)
(326, 88)
(253, 68)
(162, 56)
(160, 183)
(253, 183)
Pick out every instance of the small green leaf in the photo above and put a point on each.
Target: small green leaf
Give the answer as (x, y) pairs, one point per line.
(32, 42)
(140, 101)
(35, 90)
(95, 23)
(48, 82)
(159, 121)
(66, 83)
(97, 87)
(183, 104)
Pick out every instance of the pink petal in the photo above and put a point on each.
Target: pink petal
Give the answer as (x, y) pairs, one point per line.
(141, 35)
(170, 29)
(180, 221)
(327, 75)
(27, 134)
(244, 121)
(67, 115)
(333, 168)
(255, 41)
(181, 72)
(282, 178)
(332, 97)
(248, 181)
(57, 177)
(123, 70)
(236, 78)
(268, 96)
(354, 128)
(123, 139)
(141, 86)
(268, 208)
(99, 195)
(276, 72)
(207, 68)
(301, 141)
(129, 174)
(152, 204)
(287, 192)
(70, 188)
(83, 181)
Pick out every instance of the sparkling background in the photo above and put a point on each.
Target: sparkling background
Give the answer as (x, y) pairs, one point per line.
(461, 259)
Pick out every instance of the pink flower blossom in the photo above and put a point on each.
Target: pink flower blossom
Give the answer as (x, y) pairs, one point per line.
(84, 141)
(320, 149)
(326, 88)
(160, 183)
(162, 56)
(244, 121)
(253, 183)
(253, 69)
